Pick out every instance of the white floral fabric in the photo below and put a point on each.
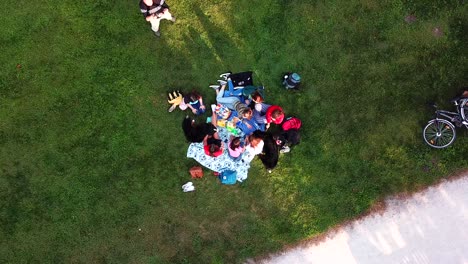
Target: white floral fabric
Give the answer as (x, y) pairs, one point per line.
(222, 162)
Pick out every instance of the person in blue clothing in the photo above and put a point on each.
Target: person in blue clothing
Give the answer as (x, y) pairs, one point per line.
(194, 101)
(259, 108)
(247, 123)
(230, 98)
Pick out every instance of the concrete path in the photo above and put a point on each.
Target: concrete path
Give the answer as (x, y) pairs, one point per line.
(429, 227)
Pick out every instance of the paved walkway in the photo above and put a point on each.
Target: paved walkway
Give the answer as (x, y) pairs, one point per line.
(428, 227)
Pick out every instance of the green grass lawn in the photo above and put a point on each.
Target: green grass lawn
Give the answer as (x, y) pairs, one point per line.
(89, 154)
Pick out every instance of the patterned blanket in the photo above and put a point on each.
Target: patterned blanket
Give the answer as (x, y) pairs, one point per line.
(222, 162)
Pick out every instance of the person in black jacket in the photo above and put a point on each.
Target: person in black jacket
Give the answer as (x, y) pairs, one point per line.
(154, 11)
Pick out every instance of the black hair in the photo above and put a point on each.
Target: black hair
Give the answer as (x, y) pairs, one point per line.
(235, 143)
(213, 149)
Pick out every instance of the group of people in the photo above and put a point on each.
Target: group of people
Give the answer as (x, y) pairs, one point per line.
(240, 110)
(246, 114)
(243, 116)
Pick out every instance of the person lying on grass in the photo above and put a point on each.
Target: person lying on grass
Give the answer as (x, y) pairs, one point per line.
(231, 98)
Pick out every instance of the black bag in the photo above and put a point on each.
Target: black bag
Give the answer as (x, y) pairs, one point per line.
(241, 78)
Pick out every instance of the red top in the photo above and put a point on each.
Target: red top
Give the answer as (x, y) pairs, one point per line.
(270, 110)
(216, 154)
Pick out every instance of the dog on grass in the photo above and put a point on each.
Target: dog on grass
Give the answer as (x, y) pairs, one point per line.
(270, 153)
(273, 143)
(288, 138)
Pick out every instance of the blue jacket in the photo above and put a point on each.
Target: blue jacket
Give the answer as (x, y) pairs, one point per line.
(249, 126)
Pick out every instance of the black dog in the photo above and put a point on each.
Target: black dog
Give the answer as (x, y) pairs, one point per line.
(273, 143)
(290, 138)
(270, 153)
(196, 132)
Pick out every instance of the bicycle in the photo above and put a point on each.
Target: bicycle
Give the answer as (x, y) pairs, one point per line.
(440, 132)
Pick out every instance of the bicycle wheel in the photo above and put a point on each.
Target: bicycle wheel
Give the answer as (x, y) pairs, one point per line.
(439, 133)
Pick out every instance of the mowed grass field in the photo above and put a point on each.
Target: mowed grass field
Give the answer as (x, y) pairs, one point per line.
(91, 162)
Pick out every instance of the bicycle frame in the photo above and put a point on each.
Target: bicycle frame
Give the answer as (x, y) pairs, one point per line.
(456, 118)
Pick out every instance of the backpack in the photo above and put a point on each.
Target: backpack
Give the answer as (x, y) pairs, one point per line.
(228, 177)
(291, 123)
(291, 81)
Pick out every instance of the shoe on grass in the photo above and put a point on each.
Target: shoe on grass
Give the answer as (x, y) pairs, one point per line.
(221, 82)
(187, 185)
(157, 33)
(216, 87)
(190, 188)
(285, 149)
(173, 19)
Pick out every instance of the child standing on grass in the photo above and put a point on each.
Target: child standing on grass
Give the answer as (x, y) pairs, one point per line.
(154, 11)
(194, 101)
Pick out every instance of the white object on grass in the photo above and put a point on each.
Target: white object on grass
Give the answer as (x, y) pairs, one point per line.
(189, 188)
(187, 185)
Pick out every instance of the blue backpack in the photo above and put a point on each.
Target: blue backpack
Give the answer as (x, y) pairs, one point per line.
(228, 177)
(291, 80)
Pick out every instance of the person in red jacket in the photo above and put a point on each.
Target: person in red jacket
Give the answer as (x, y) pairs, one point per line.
(212, 144)
(275, 115)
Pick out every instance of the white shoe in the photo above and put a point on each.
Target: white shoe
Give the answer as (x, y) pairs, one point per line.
(213, 108)
(190, 188)
(225, 75)
(221, 82)
(216, 87)
(187, 185)
(285, 149)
